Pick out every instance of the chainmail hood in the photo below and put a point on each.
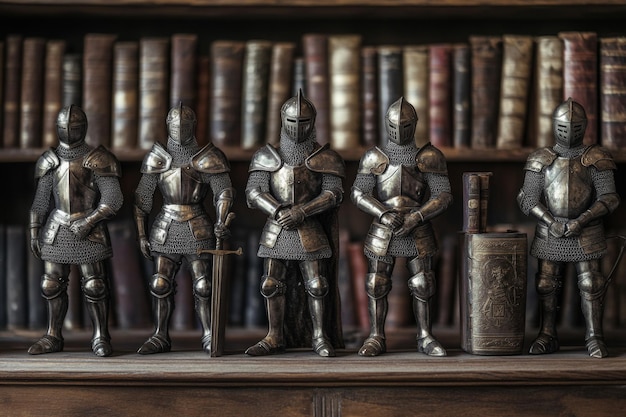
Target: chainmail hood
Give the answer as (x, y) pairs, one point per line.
(73, 153)
(295, 153)
(182, 153)
(401, 154)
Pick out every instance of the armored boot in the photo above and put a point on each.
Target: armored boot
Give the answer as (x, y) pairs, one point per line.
(592, 286)
(54, 290)
(548, 285)
(96, 291)
(160, 341)
(426, 343)
(375, 343)
(321, 344)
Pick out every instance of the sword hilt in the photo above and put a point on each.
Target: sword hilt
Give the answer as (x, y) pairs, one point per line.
(227, 221)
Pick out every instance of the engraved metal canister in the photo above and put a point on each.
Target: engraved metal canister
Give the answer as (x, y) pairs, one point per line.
(493, 292)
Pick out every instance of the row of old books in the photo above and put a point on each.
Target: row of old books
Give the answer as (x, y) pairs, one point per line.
(488, 92)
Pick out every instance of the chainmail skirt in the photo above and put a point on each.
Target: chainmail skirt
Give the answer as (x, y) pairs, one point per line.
(68, 249)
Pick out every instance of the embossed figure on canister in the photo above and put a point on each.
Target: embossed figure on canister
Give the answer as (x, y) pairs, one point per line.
(184, 173)
(569, 188)
(403, 187)
(84, 185)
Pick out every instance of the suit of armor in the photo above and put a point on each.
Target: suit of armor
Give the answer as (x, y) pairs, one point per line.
(293, 186)
(568, 189)
(85, 186)
(412, 187)
(183, 173)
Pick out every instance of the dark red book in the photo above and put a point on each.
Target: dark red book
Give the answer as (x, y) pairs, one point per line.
(440, 95)
(12, 85)
(613, 92)
(315, 51)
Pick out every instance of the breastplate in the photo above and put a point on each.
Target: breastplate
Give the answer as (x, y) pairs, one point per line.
(568, 188)
(295, 185)
(182, 185)
(74, 190)
(401, 187)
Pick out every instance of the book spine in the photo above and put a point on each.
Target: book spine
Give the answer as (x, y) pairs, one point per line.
(391, 85)
(580, 72)
(31, 100)
(369, 96)
(72, 80)
(281, 71)
(358, 271)
(299, 77)
(484, 200)
(97, 65)
(517, 55)
(256, 66)
(486, 66)
(16, 289)
(34, 301)
(153, 91)
(183, 67)
(613, 92)
(226, 91)
(204, 93)
(12, 85)
(344, 70)
(315, 48)
(549, 87)
(471, 202)
(53, 91)
(439, 92)
(461, 96)
(125, 121)
(417, 86)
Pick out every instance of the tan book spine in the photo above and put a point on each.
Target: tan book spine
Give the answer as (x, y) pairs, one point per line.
(53, 91)
(226, 85)
(12, 85)
(549, 86)
(281, 71)
(97, 76)
(517, 58)
(613, 92)
(202, 106)
(416, 88)
(369, 96)
(31, 100)
(256, 69)
(183, 68)
(153, 91)
(315, 48)
(580, 73)
(125, 121)
(344, 71)
(72, 79)
(440, 95)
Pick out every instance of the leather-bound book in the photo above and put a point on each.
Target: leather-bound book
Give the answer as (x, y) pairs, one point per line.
(613, 92)
(279, 89)
(31, 101)
(125, 116)
(72, 79)
(493, 292)
(440, 95)
(390, 83)
(549, 87)
(97, 76)
(12, 85)
(344, 55)
(471, 202)
(369, 96)
(580, 74)
(202, 103)
(153, 91)
(486, 69)
(256, 69)
(52, 91)
(315, 51)
(183, 69)
(416, 88)
(226, 85)
(517, 58)
(299, 77)
(461, 95)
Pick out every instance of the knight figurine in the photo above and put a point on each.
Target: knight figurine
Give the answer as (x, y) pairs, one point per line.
(569, 188)
(403, 187)
(183, 172)
(299, 187)
(84, 185)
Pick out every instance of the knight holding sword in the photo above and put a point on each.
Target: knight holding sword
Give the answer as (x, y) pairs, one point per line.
(182, 230)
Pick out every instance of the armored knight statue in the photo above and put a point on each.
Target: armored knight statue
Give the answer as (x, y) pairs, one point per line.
(84, 185)
(569, 188)
(183, 172)
(299, 187)
(411, 187)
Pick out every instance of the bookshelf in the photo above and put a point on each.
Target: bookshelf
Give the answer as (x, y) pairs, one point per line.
(298, 383)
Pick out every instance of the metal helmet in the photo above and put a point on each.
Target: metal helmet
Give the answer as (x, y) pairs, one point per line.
(298, 117)
(400, 122)
(569, 122)
(181, 124)
(71, 126)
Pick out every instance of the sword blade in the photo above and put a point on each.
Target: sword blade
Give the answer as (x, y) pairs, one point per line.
(219, 306)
